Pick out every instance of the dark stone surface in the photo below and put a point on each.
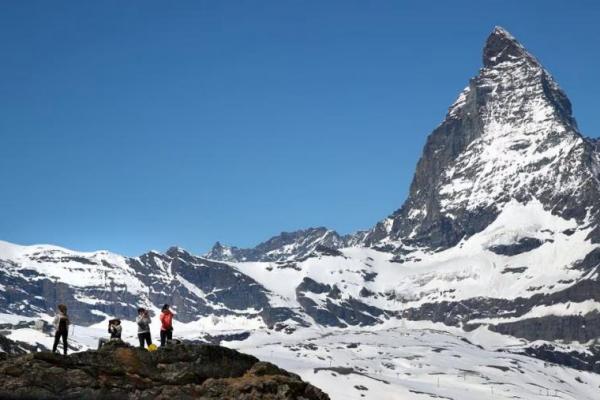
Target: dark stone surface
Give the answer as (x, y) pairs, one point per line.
(580, 328)
(118, 371)
(218, 339)
(514, 270)
(589, 361)
(590, 261)
(523, 245)
(336, 310)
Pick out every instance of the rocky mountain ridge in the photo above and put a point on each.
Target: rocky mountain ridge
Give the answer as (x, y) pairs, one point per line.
(283, 247)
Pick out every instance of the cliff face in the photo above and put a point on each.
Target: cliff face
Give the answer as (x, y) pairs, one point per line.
(119, 371)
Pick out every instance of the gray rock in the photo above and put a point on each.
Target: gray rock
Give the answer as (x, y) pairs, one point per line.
(522, 246)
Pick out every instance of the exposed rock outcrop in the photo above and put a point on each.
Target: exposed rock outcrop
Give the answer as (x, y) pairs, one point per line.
(119, 371)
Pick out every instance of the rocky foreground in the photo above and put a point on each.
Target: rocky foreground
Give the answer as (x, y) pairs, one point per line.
(119, 371)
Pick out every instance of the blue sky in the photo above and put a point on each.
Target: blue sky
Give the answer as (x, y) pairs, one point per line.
(138, 125)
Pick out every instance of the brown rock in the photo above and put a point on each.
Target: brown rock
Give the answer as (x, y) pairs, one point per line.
(119, 371)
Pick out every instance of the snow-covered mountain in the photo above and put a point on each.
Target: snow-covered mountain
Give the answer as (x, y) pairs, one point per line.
(510, 135)
(498, 239)
(505, 201)
(96, 285)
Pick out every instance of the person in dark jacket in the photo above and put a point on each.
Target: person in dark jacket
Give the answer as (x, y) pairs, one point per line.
(61, 324)
(166, 325)
(143, 323)
(114, 329)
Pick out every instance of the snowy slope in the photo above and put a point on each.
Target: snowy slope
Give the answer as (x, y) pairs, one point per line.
(407, 360)
(421, 362)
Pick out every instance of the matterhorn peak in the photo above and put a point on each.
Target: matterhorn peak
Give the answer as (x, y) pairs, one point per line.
(509, 136)
(501, 46)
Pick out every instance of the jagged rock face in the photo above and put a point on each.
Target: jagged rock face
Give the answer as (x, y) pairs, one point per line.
(332, 311)
(194, 286)
(581, 327)
(37, 280)
(118, 371)
(283, 247)
(509, 135)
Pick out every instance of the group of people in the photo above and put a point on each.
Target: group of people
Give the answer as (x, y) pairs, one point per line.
(61, 325)
(166, 326)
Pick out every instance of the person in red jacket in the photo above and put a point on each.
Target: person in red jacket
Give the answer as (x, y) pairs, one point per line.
(166, 325)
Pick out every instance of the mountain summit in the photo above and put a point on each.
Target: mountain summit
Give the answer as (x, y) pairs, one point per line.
(510, 135)
(501, 46)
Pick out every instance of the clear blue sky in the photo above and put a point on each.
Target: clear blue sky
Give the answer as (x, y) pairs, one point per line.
(138, 125)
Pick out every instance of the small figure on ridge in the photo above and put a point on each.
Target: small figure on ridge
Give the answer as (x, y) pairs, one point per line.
(166, 325)
(143, 322)
(61, 324)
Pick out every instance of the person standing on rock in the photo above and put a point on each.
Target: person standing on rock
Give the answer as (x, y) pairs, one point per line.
(143, 323)
(166, 325)
(61, 324)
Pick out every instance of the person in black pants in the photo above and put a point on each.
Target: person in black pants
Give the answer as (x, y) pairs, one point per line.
(61, 324)
(143, 323)
(166, 325)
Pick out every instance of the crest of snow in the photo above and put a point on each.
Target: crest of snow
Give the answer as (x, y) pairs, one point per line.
(56, 263)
